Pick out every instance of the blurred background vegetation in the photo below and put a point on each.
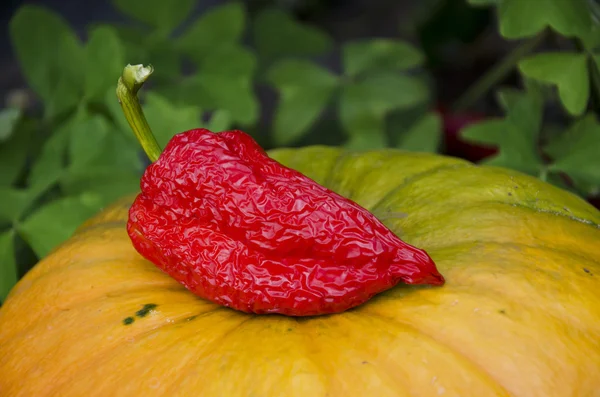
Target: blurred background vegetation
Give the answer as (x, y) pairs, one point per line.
(513, 83)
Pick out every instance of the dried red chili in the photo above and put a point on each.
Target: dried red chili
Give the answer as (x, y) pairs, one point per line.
(238, 228)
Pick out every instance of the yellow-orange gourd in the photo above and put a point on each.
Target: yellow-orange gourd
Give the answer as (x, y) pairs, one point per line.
(519, 315)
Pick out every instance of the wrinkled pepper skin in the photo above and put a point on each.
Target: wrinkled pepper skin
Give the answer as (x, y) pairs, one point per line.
(240, 229)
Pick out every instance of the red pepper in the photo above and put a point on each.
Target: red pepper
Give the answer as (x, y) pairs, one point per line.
(238, 228)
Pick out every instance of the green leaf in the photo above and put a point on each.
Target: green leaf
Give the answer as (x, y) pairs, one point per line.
(115, 112)
(165, 58)
(167, 120)
(424, 136)
(63, 99)
(524, 110)
(305, 90)
(87, 139)
(164, 15)
(8, 264)
(52, 160)
(483, 2)
(575, 152)
(591, 40)
(134, 40)
(108, 183)
(121, 151)
(365, 127)
(220, 121)
(366, 130)
(384, 92)
(277, 34)
(13, 154)
(524, 18)
(113, 171)
(516, 136)
(379, 54)
(50, 56)
(229, 85)
(56, 221)
(568, 71)
(14, 203)
(365, 104)
(218, 27)
(8, 122)
(104, 59)
(187, 91)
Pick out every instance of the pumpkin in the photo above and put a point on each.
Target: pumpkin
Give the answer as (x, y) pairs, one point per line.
(519, 314)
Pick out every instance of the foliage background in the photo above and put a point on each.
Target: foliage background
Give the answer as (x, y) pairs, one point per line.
(508, 82)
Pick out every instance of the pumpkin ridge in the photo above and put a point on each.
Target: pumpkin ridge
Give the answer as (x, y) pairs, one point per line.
(99, 358)
(311, 342)
(502, 362)
(328, 180)
(311, 331)
(556, 213)
(47, 314)
(344, 324)
(467, 243)
(422, 190)
(41, 322)
(86, 263)
(494, 224)
(431, 171)
(171, 390)
(472, 364)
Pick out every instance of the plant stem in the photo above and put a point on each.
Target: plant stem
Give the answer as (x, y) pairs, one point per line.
(132, 79)
(491, 77)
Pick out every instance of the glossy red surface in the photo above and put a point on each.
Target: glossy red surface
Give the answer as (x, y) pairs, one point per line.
(238, 228)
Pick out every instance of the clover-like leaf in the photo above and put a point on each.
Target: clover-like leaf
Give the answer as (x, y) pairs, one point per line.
(568, 71)
(365, 103)
(483, 2)
(50, 163)
(108, 183)
(14, 203)
(515, 136)
(228, 85)
(277, 34)
(365, 128)
(8, 264)
(524, 18)
(55, 222)
(87, 138)
(134, 40)
(218, 27)
(384, 92)
(104, 59)
(379, 54)
(111, 171)
(13, 154)
(167, 120)
(115, 113)
(8, 122)
(305, 90)
(164, 15)
(575, 152)
(424, 135)
(220, 120)
(119, 149)
(50, 56)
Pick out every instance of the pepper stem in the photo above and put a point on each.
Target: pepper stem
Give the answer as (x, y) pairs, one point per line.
(132, 79)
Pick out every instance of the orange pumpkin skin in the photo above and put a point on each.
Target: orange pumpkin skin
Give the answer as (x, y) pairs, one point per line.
(518, 316)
